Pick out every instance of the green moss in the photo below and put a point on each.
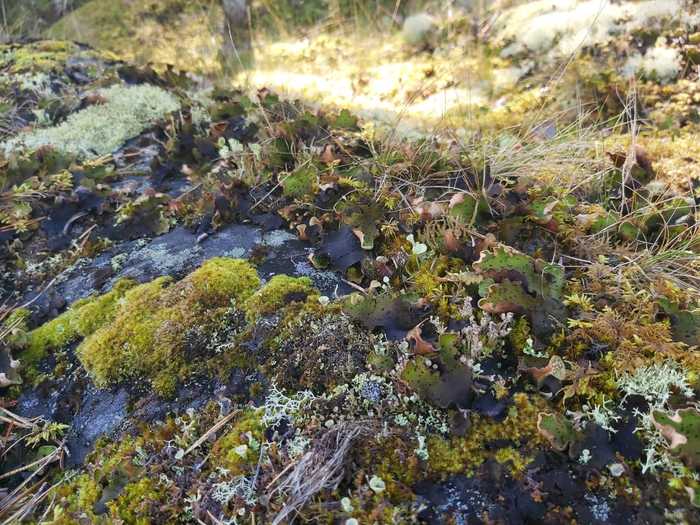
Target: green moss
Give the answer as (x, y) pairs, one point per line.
(280, 290)
(43, 56)
(465, 454)
(80, 320)
(520, 333)
(300, 182)
(238, 449)
(146, 339)
(137, 502)
(16, 322)
(102, 128)
(220, 279)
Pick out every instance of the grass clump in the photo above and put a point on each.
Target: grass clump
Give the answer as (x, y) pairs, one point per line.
(147, 338)
(102, 128)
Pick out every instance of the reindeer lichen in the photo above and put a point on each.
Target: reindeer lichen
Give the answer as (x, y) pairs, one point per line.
(102, 128)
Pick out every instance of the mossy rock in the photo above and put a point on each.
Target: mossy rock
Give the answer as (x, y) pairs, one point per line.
(82, 319)
(187, 34)
(146, 339)
(139, 332)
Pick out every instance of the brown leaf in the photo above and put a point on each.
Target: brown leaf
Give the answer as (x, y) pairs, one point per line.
(328, 155)
(420, 345)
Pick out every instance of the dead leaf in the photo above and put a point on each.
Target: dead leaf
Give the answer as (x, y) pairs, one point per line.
(420, 345)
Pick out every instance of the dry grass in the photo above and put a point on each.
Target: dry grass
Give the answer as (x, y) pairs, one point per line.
(319, 469)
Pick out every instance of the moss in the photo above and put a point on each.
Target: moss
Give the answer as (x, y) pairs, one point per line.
(300, 182)
(396, 463)
(16, 323)
(466, 454)
(82, 319)
(318, 351)
(238, 449)
(280, 290)
(137, 502)
(78, 496)
(220, 279)
(147, 338)
(43, 56)
(520, 333)
(100, 129)
(183, 33)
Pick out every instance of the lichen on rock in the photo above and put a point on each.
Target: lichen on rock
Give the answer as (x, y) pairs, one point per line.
(100, 129)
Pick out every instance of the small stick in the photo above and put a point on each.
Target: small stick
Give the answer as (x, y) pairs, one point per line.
(211, 431)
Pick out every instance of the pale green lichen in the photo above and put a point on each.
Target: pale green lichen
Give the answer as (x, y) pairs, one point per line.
(100, 129)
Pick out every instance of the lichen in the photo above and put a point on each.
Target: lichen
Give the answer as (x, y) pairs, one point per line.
(100, 129)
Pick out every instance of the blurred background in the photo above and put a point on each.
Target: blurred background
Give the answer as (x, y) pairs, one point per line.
(415, 65)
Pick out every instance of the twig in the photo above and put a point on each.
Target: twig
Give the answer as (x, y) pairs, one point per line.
(211, 431)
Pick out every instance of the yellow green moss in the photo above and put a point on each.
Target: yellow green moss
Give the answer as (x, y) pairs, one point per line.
(396, 463)
(238, 449)
(146, 339)
(136, 502)
(184, 33)
(42, 56)
(16, 325)
(300, 182)
(80, 320)
(466, 454)
(520, 333)
(280, 290)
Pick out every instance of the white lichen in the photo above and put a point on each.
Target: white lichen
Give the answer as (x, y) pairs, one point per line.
(562, 27)
(101, 129)
(655, 383)
(417, 28)
(660, 62)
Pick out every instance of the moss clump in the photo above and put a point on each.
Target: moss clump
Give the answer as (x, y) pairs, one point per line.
(239, 449)
(137, 501)
(147, 338)
(300, 182)
(100, 129)
(279, 291)
(466, 454)
(80, 320)
(16, 326)
(44, 56)
(318, 352)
